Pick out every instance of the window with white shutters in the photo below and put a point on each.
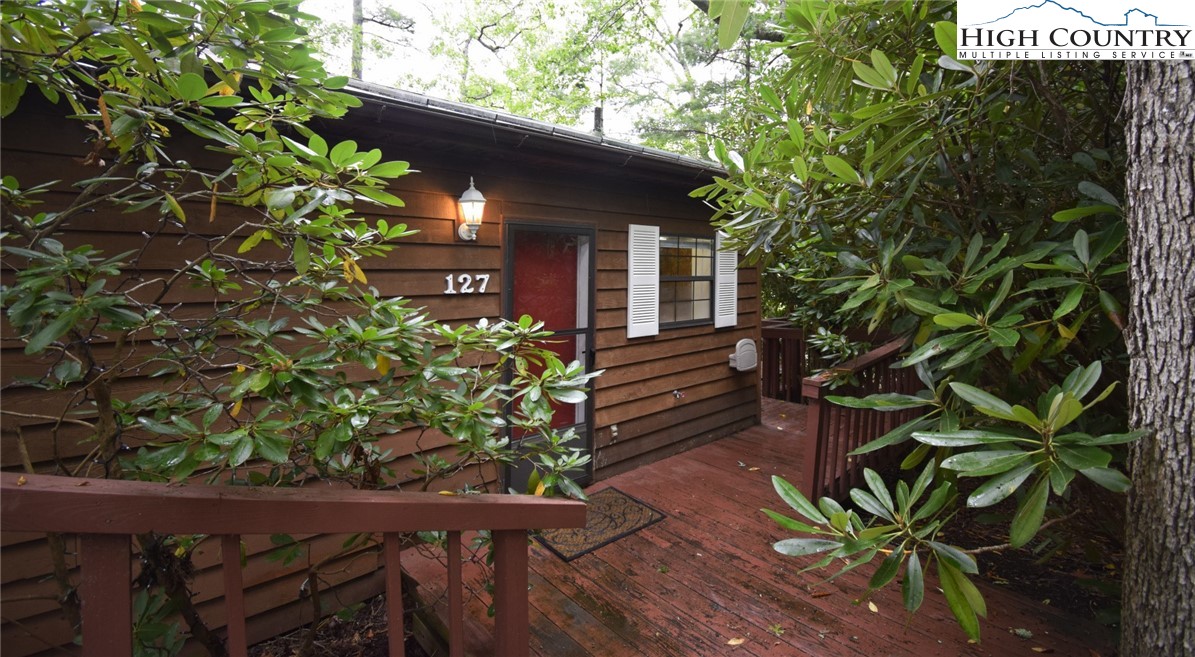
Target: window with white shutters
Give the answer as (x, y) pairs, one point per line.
(678, 280)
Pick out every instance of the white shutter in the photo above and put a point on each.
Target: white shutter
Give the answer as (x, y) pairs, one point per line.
(643, 281)
(726, 285)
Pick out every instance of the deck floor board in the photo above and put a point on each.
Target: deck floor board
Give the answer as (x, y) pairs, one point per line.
(690, 584)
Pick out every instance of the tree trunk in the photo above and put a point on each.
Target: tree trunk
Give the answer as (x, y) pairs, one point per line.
(1159, 577)
(358, 40)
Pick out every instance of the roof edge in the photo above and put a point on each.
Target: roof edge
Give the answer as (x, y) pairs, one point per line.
(381, 94)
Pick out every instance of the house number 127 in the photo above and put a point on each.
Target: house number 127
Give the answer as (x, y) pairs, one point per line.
(466, 282)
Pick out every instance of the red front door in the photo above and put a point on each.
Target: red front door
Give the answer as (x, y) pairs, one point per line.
(549, 275)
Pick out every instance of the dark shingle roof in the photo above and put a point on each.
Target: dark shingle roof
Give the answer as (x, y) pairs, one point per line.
(635, 154)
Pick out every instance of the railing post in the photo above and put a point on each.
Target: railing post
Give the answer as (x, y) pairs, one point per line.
(811, 449)
(234, 595)
(105, 583)
(512, 636)
(392, 554)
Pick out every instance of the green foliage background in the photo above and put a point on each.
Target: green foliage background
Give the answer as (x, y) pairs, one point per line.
(972, 206)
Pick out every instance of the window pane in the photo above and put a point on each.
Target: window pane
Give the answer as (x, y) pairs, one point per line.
(684, 312)
(667, 312)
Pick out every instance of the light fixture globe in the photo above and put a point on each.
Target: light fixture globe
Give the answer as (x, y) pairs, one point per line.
(472, 208)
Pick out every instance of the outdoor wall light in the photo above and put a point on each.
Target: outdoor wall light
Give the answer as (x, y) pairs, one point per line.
(472, 208)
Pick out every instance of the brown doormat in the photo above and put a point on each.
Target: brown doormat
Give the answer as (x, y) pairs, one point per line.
(612, 515)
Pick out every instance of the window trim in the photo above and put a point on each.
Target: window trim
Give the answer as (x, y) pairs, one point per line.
(709, 278)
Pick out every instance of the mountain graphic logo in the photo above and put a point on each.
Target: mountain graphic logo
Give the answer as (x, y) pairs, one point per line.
(1135, 15)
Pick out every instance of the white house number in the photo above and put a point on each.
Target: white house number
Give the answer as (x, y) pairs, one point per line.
(466, 283)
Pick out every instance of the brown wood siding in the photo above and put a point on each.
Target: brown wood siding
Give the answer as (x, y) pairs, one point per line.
(635, 396)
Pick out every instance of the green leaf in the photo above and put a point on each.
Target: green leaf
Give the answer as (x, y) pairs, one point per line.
(955, 557)
(1085, 211)
(791, 524)
(840, 168)
(1116, 438)
(1113, 480)
(241, 451)
(1071, 301)
(936, 501)
(342, 152)
(252, 241)
(302, 256)
(390, 169)
(1082, 379)
(955, 320)
(883, 66)
(1082, 246)
(730, 22)
(923, 307)
(1003, 337)
(953, 583)
(799, 547)
(1001, 295)
(1001, 486)
(887, 570)
(869, 77)
(191, 87)
(912, 589)
(51, 332)
(898, 435)
(379, 195)
(1083, 457)
(158, 427)
(869, 503)
(273, 448)
(886, 401)
(1094, 191)
(878, 488)
(1063, 410)
(983, 402)
(989, 461)
(10, 96)
(946, 34)
(964, 438)
(221, 101)
(797, 500)
(1028, 517)
(175, 208)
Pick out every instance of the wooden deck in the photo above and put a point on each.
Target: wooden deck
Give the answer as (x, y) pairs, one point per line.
(707, 576)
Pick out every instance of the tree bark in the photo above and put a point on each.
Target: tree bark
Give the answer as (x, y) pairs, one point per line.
(358, 52)
(1159, 577)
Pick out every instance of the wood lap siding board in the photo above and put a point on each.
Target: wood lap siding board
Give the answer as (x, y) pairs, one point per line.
(526, 185)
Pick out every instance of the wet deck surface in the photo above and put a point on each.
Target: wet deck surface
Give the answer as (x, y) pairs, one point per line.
(706, 577)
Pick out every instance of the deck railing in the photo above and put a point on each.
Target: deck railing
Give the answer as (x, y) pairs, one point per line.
(833, 431)
(783, 360)
(106, 513)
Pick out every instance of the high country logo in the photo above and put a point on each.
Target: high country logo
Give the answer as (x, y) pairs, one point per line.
(1075, 29)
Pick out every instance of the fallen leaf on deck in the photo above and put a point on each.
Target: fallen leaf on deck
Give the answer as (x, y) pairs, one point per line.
(821, 594)
(21, 480)
(736, 642)
(752, 469)
(872, 606)
(1038, 649)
